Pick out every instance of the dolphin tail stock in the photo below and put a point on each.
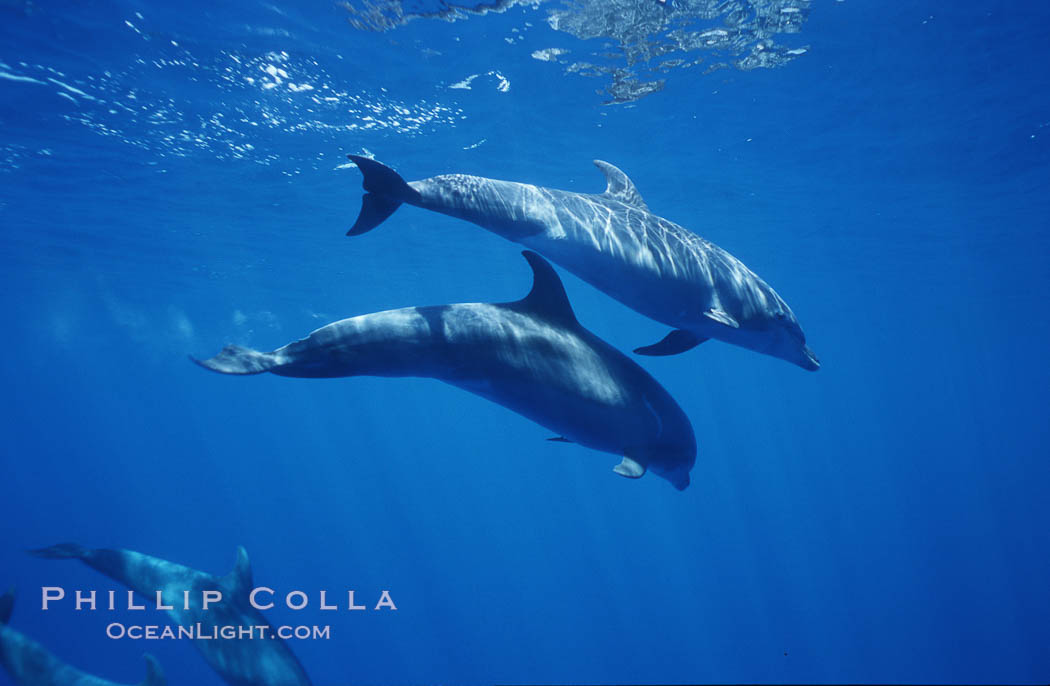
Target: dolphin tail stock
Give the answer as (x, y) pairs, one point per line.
(386, 191)
(237, 360)
(62, 551)
(154, 674)
(7, 604)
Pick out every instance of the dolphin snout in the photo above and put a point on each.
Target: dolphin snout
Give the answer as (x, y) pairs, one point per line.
(810, 362)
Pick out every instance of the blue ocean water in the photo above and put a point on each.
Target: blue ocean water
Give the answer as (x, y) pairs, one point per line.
(173, 179)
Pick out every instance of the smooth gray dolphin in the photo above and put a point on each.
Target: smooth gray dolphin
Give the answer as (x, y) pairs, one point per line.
(241, 661)
(31, 664)
(530, 356)
(612, 241)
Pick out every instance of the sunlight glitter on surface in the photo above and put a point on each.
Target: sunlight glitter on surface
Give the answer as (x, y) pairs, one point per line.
(249, 93)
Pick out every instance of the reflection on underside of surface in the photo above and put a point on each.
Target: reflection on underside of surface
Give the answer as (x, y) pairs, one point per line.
(645, 39)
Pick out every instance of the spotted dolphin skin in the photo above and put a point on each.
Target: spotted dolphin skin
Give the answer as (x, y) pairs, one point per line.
(612, 241)
(31, 664)
(530, 356)
(241, 661)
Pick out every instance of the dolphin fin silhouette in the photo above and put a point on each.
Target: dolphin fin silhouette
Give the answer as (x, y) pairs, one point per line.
(154, 674)
(620, 187)
(386, 191)
(233, 359)
(7, 604)
(240, 578)
(547, 297)
(61, 551)
(678, 341)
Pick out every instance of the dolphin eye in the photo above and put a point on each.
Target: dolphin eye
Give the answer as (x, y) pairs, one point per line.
(781, 315)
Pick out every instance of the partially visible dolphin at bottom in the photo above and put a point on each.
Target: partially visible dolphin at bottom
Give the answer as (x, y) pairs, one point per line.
(239, 661)
(31, 664)
(531, 356)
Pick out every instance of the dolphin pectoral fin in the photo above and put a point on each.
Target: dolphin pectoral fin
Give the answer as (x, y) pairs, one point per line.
(629, 468)
(154, 674)
(559, 439)
(678, 341)
(722, 317)
(374, 211)
(7, 604)
(620, 187)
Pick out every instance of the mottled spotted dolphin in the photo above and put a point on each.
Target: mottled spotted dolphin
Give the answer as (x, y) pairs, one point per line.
(530, 356)
(241, 661)
(31, 664)
(612, 241)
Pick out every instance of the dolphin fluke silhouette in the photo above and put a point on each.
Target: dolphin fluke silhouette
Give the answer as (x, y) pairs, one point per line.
(386, 191)
(62, 551)
(234, 359)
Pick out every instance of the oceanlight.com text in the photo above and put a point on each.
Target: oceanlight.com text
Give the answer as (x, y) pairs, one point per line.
(228, 632)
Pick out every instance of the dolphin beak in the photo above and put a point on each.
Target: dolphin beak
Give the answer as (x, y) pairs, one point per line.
(811, 362)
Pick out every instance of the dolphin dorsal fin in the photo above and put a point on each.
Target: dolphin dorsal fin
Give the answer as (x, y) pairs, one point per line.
(7, 604)
(547, 296)
(154, 674)
(240, 579)
(620, 187)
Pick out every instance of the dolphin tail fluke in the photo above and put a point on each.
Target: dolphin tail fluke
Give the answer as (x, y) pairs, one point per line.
(7, 604)
(154, 674)
(386, 191)
(62, 551)
(237, 360)
(374, 211)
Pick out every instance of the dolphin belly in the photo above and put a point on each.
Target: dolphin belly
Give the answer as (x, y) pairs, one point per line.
(568, 381)
(614, 426)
